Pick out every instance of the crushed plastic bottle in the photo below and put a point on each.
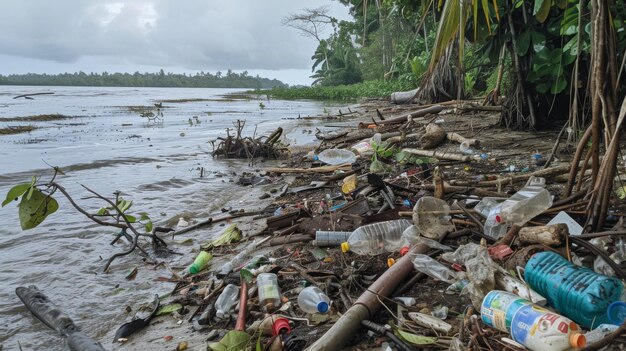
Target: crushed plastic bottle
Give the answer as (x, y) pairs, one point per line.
(337, 156)
(525, 204)
(600, 332)
(226, 300)
(432, 217)
(492, 227)
(313, 300)
(434, 269)
(466, 149)
(376, 238)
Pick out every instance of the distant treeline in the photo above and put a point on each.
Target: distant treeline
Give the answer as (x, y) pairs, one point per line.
(159, 79)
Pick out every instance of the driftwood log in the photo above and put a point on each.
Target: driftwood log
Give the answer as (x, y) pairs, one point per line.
(435, 135)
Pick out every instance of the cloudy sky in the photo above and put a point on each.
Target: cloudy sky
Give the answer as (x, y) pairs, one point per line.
(147, 35)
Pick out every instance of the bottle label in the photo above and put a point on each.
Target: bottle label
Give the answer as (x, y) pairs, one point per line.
(533, 322)
(268, 290)
(498, 309)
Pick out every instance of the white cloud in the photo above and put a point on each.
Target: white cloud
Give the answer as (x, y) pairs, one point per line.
(184, 35)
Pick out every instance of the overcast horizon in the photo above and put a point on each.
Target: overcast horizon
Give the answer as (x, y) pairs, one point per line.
(149, 35)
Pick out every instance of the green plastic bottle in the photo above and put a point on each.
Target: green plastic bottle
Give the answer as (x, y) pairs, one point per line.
(200, 262)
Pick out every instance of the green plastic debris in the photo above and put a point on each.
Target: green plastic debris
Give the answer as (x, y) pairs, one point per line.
(167, 309)
(232, 234)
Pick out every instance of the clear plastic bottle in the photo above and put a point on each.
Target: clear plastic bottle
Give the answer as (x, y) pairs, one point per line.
(330, 238)
(337, 156)
(226, 300)
(376, 238)
(525, 204)
(269, 293)
(492, 227)
(599, 333)
(434, 269)
(410, 237)
(313, 300)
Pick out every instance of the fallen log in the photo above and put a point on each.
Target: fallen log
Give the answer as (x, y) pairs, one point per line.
(442, 155)
(50, 315)
(548, 172)
(550, 235)
(404, 118)
(452, 136)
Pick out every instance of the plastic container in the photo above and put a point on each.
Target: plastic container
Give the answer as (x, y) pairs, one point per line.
(525, 204)
(616, 312)
(337, 156)
(434, 269)
(579, 293)
(410, 237)
(269, 293)
(492, 227)
(465, 148)
(200, 262)
(313, 300)
(599, 333)
(226, 300)
(530, 325)
(330, 238)
(376, 238)
(431, 216)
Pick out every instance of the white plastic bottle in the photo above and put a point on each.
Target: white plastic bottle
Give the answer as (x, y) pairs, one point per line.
(313, 300)
(376, 238)
(541, 330)
(525, 204)
(226, 300)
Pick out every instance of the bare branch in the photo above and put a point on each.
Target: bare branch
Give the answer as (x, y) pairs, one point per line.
(311, 23)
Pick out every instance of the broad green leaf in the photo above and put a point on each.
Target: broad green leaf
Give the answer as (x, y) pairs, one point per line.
(523, 43)
(415, 339)
(30, 192)
(539, 41)
(572, 46)
(16, 192)
(230, 235)
(131, 219)
(149, 226)
(33, 211)
(542, 10)
(167, 309)
(558, 86)
(103, 211)
(543, 88)
(124, 205)
(144, 216)
(234, 340)
(561, 3)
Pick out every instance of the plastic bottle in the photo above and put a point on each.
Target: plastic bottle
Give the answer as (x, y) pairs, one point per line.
(410, 236)
(330, 238)
(226, 300)
(337, 156)
(492, 227)
(313, 300)
(530, 325)
(376, 238)
(525, 204)
(431, 216)
(434, 269)
(269, 294)
(599, 333)
(200, 262)
(579, 293)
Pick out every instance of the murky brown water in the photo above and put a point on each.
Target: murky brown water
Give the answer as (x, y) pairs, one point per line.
(108, 147)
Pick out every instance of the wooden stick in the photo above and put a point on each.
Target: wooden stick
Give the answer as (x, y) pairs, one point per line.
(452, 136)
(323, 169)
(439, 154)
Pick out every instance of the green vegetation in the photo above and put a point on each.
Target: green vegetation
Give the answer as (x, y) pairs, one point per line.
(368, 89)
(158, 79)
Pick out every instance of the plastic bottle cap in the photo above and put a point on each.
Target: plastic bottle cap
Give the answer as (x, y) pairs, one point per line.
(345, 247)
(279, 325)
(404, 250)
(498, 219)
(390, 262)
(322, 307)
(616, 312)
(577, 340)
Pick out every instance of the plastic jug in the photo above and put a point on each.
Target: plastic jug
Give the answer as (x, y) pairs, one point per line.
(492, 227)
(530, 325)
(579, 293)
(313, 300)
(269, 294)
(226, 300)
(376, 238)
(525, 204)
(337, 156)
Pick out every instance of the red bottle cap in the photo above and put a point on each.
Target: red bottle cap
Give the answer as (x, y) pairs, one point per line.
(281, 324)
(404, 250)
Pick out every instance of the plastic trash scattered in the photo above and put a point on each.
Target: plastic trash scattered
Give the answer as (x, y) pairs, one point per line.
(407, 301)
(313, 300)
(200, 262)
(466, 149)
(330, 238)
(376, 238)
(430, 322)
(182, 223)
(431, 217)
(599, 333)
(616, 312)
(337, 156)
(349, 184)
(434, 269)
(269, 293)
(530, 325)
(363, 148)
(572, 225)
(579, 293)
(441, 312)
(492, 227)
(525, 204)
(226, 300)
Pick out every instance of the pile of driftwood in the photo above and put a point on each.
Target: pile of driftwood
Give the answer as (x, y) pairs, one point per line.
(236, 146)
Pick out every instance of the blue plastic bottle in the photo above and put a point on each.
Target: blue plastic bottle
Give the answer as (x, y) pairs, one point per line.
(579, 293)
